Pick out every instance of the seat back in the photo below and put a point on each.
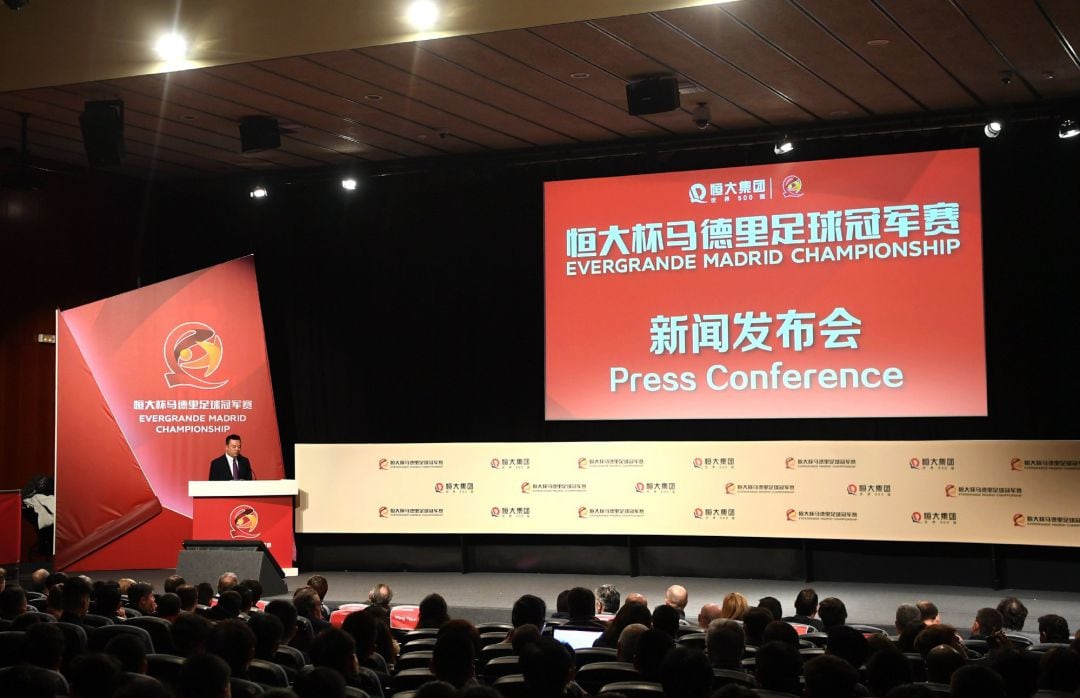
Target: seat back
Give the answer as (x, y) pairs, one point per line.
(268, 673)
(410, 679)
(289, 657)
(590, 655)
(75, 641)
(503, 628)
(512, 686)
(593, 677)
(917, 664)
(99, 637)
(414, 660)
(634, 689)
(242, 688)
(420, 644)
(146, 683)
(695, 641)
(160, 631)
(501, 666)
(164, 667)
(11, 647)
(92, 620)
(492, 638)
(723, 677)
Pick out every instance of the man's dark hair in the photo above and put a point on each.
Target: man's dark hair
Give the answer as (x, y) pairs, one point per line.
(168, 605)
(725, 643)
(306, 601)
(546, 667)
(129, 650)
(43, 645)
(55, 578)
(934, 635)
(806, 602)
(433, 611)
(609, 597)
(777, 667)
(232, 437)
(779, 631)
(256, 588)
(830, 677)
(246, 596)
(665, 618)
(529, 609)
(203, 675)
(927, 610)
(832, 612)
(976, 681)
(562, 604)
(76, 594)
(652, 647)
(1054, 627)
(189, 597)
(333, 648)
(233, 641)
(268, 632)
(773, 606)
(229, 605)
(906, 641)
(29, 681)
(685, 673)
(138, 591)
(754, 622)
(580, 603)
(189, 633)
(989, 621)
(848, 644)
(364, 628)
(942, 662)
(1018, 669)
(320, 584)
(442, 689)
(320, 682)
(886, 670)
(906, 613)
(455, 652)
(527, 634)
(1059, 670)
(1013, 613)
(93, 675)
(12, 602)
(205, 593)
(172, 582)
(911, 690)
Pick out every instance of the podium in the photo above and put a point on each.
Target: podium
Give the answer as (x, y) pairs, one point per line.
(246, 511)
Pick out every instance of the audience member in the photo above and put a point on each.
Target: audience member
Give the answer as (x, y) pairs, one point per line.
(562, 605)
(205, 593)
(529, 609)
(76, 600)
(204, 676)
(906, 613)
(523, 635)
(433, 611)
(130, 651)
(928, 612)
(1053, 628)
(939, 634)
(725, 644)
(43, 646)
(830, 677)
(189, 634)
(806, 608)
(229, 605)
(685, 673)
(734, 606)
(777, 667)
(1059, 670)
(364, 629)
(37, 580)
(906, 641)
(141, 598)
(453, 659)
(628, 642)
(708, 613)
(189, 597)
(848, 644)
(309, 606)
(772, 605)
(666, 619)
(320, 682)
(93, 675)
(381, 595)
(226, 582)
(256, 588)
(832, 612)
(385, 644)
(754, 623)
(987, 622)
(607, 599)
(976, 681)
(335, 649)
(168, 607)
(886, 670)
(1013, 613)
(629, 614)
(547, 667)
(12, 602)
(653, 646)
(941, 663)
(172, 582)
(635, 597)
(233, 641)
(677, 597)
(268, 631)
(780, 631)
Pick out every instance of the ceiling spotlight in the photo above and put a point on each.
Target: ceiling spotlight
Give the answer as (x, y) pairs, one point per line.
(422, 14)
(783, 146)
(259, 192)
(993, 128)
(348, 184)
(1068, 129)
(171, 47)
(701, 116)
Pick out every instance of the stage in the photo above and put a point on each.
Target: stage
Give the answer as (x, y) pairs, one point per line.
(488, 597)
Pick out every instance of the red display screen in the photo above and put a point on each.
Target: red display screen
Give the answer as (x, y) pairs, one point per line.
(834, 288)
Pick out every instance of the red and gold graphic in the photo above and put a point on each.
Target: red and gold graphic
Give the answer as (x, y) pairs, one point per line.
(193, 353)
(244, 522)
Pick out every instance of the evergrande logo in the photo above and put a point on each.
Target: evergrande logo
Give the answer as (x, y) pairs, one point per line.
(1019, 520)
(244, 522)
(193, 353)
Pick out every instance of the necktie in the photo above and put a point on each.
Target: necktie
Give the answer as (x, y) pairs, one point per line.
(235, 470)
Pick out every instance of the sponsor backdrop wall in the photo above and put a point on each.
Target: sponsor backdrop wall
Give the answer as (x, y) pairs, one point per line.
(149, 383)
(1009, 492)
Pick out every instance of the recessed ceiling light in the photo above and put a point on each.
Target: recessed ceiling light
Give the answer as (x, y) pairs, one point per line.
(1068, 129)
(877, 42)
(373, 98)
(171, 47)
(259, 192)
(422, 14)
(993, 128)
(348, 184)
(580, 76)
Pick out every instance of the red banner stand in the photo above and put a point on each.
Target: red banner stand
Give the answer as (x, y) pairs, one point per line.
(254, 510)
(11, 523)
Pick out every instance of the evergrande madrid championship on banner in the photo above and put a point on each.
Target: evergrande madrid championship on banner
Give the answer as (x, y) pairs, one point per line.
(149, 383)
(835, 288)
(1009, 492)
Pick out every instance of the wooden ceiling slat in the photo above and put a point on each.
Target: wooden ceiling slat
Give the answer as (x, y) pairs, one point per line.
(1022, 33)
(558, 63)
(611, 121)
(564, 127)
(685, 58)
(784, 25)
(1065, 14)
(627, 63)
(401, 81)
(855, 22)
(430, 120)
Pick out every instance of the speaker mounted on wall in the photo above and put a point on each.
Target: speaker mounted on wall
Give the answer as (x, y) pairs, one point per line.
(259, 133)
(652, 95)
(102, 125)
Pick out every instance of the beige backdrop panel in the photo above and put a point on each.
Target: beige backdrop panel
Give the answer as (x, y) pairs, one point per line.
(965, 491)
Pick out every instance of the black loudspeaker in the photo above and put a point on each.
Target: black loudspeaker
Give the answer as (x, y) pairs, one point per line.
(103, 132)
(652, 95)
(206, 560)
(259, 133)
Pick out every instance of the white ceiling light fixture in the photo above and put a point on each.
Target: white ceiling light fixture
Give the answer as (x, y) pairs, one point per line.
(993, 128)
(783, 146)
(348, 184)
(259, 193)
(1068, 129)
(422, 14)
(171, 47)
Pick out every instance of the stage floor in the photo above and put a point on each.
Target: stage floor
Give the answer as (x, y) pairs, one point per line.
(488, 597)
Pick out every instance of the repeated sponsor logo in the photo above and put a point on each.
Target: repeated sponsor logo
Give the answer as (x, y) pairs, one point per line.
(757, 488)
(821, 515)
(410, 463)
(409, 512)
(932, 463)
(869, 490)
(713, 463)
(714, 513)
(792, 463)
(553, 487)
(654, 487)
(934, 518)
(244, 522)
(455, 487)
(511, 512)
(1021, 520)
(510, 463)
(954, 491)
(610, 512)
(1021, 464)
(586, 463)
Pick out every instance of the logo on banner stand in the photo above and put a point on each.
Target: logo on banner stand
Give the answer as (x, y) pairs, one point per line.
(792, 515)
(951, 491)
(790, 463)
(916, 517)
(1017, 465)
(193, 352)
(1019, 520)
(915, 464)
(244, 522)
(792, 187)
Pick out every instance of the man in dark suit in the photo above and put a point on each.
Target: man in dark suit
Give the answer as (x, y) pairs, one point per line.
(231, 465)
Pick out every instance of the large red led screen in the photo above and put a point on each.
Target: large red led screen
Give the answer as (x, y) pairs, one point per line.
(835, 288)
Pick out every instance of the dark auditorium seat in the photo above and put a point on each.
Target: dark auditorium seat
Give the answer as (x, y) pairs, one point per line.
(404, 694)
(1020, 641)
(503, 628)
(38, 604)
(1044, 647)
(723, 677)
(687, 630)
(419, 634)
(413, 660)
(11, 646)
(694, 641)
(242, 688)
(815, 639)
(512, 686)
(938, 689)
(99, 637)
(92, 620)
(589, 655)
(918, 666)
(164, 667)
(290, 657)
(147, 685)
(75, 640)
(410, 679)
(354, 692)
(268, 673)
(808, 653)
(867, 630)
(501, 666)
(492, 638)
(60, 684)
(634, 689)
(491, 651)
(593, 677)
(160, 631)
(420, 644)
